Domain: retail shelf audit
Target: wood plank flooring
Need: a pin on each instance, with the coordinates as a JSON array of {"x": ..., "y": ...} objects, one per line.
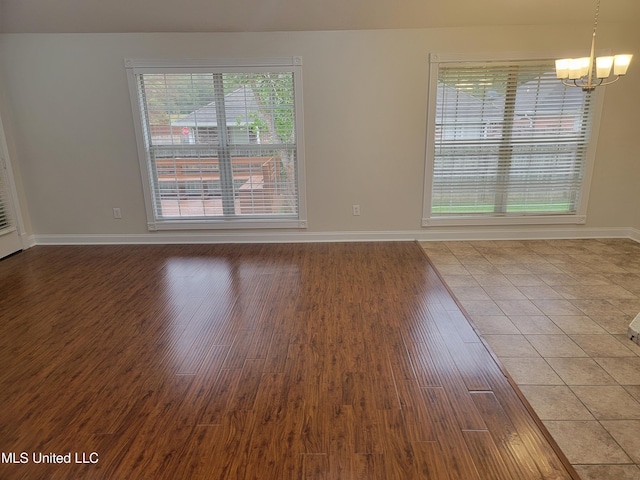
[{"x": 305, "y": 361}]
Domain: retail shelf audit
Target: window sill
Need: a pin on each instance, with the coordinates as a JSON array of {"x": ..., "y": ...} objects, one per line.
[
  {"x": 515, "y": 220},
  {"x": 226, "y": 224}
]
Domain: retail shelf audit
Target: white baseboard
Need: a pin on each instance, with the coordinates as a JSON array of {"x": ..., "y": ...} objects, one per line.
[{"x": 434, "y": 234}]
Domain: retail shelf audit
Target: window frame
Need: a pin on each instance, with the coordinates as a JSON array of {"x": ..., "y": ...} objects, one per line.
[
  {"x": 134, "y": 67},
  {"x": 429, "y": 220}
]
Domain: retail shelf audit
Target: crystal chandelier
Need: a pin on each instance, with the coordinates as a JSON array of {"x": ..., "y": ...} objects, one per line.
[{"x": 591, "y": 72}]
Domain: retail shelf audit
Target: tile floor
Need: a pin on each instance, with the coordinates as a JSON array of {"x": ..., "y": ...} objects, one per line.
[{"x": 556, "y": 314}]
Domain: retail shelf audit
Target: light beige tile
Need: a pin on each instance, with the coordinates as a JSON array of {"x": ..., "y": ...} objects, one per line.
[
  {"x": 624, "y": 339},
  {"x": 597, "y": 307},
  {"x": 544, "y": 269},
  {"x": 481, "y": 307},
  {"x": 607, "y": 267},
  {"x": 608, "y": 472},
  {"x": 602, "y": 346},
  {"x": 627, "y": 306},
  {"x": 597, "y": 246},
  {"x": 626, "y": 434},
  {"x": 469, "y": 293},
  {"x": 482, "y": 245},
  {"x": 483, "y": 270},
  {"x": 540, "y": 292},
  {"x": 558, "y": 259},
  {"x": 586, "y": 442},
  {"x": 555, "y": 402},
  {"x": 451, "y": 269},
  {"x": 576, "y": 324},
  {"x": 625, "y": 370},
  {"x": 608, "y": 402},
  {"x": 586, "y": 257},
  {"x": 459, "y": 280},
  {"x": 460, "y": 247},
  {"x": 531, "y": 371},
  {"x": 613, "y": 324},
  {"x": 514, "y": 246},
  {"x": 629, "y": 281},
  {"x": 542, "y": 247},
  {"x": 580, "y": 371},
  {"x": 503, "y": 292},
  {"x": 577, "y": 269},
  {"x": 572, "y": 246},
  {"x": 535, "y": 324},
  {"x": 494, "y": 324},
  {"x": 472, "y": 259},
  {"x": 514, "y": 269},
  {"x": 634, "y": 390},
  {"x": 557, "y": 279},
  {"x": 521, "y": 280},
  {"x": 510, "y": 346},
  {"x": 572, "y": 292},
  {"x": 608, "y": 292},
  {"x": 518, "y": 307},
  {"x": 435, "y": 247},
  {"x": 578, "y": 248},
  {"x": 441, "y": 258},
  {"x": 557, "y": 307},
  {"x": 555, "y": 346},
  {"x": 513, "y": 257},
  {"x": 632, "y": 267},
  {"x": 593, "y": 279},
  {"x": 488, "y": 280}
]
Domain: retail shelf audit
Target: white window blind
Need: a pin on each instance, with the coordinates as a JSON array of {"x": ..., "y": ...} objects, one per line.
[
  {"x": 5, "y": 220},
  {"x": 6, "y": 223},
  {"x": 220, "y": 143},
  {"x": 507, "y": 140}
]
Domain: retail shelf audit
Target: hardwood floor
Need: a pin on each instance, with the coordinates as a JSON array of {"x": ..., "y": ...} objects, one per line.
[{"x": 304, "y": 361}]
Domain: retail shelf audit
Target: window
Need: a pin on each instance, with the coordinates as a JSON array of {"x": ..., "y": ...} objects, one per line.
[
  {"x": 507, "y": 143},
  {"x": 220, "y": 142}
]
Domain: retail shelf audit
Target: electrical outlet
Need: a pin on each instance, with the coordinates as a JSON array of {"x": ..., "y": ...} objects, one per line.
[
  {"x": 117, "y": 213},
  {"x": 355, "y": 209}
]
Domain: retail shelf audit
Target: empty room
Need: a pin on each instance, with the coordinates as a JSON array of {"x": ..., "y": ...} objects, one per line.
[{"x": 331, "y": 240}]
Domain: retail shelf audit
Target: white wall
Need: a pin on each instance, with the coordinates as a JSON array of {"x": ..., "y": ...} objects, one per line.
[{"x": 67, "y": 100}]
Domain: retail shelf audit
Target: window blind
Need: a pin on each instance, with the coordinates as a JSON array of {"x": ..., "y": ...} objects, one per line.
[
  {"x": 6, "y": 223},
  {"x": 220, "y": 144},
  {"x": 509, "y": 140}
]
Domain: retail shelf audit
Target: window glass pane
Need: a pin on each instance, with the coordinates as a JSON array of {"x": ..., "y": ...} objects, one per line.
[
  {"x": 265, "y": 182},
  {"x": 220, "y": 144},
  {"x": 180, "y": 108},
  {"x": 260, "y": 108},
  {"x": 510, "y": 139}
]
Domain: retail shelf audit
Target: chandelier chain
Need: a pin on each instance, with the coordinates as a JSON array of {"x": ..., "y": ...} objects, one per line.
[{"x": 595, "y": 22}]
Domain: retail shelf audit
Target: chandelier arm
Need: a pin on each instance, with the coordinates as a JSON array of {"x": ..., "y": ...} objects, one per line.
[{"x": 603, "y": 83}]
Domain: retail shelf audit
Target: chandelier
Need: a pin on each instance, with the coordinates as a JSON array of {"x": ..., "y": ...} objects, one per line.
[{"x": 591, "y": 72}]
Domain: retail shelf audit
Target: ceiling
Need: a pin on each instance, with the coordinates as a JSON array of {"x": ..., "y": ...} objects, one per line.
[{"x": 106, "y": 16}]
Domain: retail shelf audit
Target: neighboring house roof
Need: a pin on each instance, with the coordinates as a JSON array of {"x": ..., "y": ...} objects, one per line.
[
  {"x": 547, "y": 97},
  {"x": 240, "y": 106}
]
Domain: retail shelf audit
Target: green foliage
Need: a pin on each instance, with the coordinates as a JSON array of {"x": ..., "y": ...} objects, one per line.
[{"x": 273, "y": 94}]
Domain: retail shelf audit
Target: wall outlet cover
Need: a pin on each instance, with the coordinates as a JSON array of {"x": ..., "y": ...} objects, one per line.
[{"x": 634, "y": 330}]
